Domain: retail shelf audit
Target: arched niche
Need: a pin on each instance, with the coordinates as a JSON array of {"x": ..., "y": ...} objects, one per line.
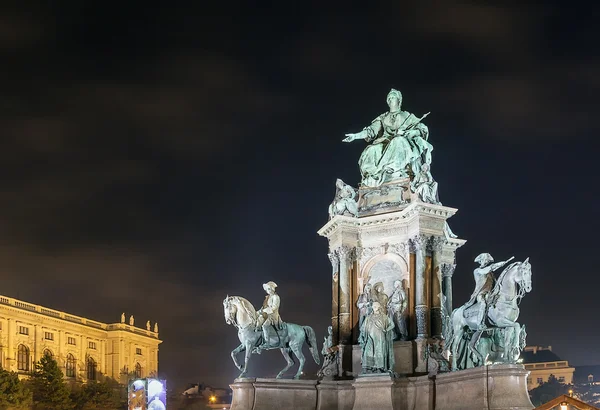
[{"x": 386, "y": 269}]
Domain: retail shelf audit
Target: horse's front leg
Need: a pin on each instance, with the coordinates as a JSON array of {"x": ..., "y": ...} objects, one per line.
[
  {"x": 248, "y": 348},
  {"x": 234, "y": 353}
]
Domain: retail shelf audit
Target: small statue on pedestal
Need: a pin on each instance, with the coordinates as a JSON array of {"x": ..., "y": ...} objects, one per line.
[
  {"x": 436, "y": 362},
  {"x": 344, "y": 202},
  {"x": 330, "y": 357},
  {"x": 397, "y": 311},
  {"x": 377, "y": 342},
  {"x": 131, "y": 320},
  {"x": 425, "y": 187}
]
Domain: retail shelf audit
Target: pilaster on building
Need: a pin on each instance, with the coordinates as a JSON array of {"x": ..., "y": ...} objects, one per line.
[
  {"x": 84, "y": 349},
  {"x": 411, "y": 243}
]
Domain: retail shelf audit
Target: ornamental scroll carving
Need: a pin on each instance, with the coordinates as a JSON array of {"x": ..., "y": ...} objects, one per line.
[{"x": 448, "y": 269}]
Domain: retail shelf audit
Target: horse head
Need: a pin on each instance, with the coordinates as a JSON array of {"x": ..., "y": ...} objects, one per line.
[
  {"x": 230, "y": 310},
  {"x": 524, "y": 276}
]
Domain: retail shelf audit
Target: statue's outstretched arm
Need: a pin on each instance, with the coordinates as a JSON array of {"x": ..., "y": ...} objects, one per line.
[{"x": 368, "y": 133}]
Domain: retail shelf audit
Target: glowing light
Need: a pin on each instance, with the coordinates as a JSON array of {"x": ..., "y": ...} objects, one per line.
[
  {"x": 564, "y": 406},
  {"x": 213, "y": 399}
]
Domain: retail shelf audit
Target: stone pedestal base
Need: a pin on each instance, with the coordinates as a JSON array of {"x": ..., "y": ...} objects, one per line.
[
  {"x": 243, "y": 394},
  {"x": 496, "y": 387},
  {"x": 373, "y": 392},
  {"x": 335, "y": 395},
  {"x": 403, "y": 356},
  {"x": 285, "y": 394}
]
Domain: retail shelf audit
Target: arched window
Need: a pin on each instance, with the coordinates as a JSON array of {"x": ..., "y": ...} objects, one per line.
[
  {"x": 91, "y": 369},
  {"x": 23, "y": 358},
  {"x": 590, "y": 378},
  {"x": 138, "y": 370},
  {"x": 48, "y": 352},
  {"x": 70, "y": 367}
]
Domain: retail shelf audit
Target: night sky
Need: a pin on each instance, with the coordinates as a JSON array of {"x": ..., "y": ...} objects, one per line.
[{"x": 156, "y": 159}]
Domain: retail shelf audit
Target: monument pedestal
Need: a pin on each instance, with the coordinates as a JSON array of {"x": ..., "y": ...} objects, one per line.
[
  {"x": 335, "y": 395},
  {"x": 243, "y": 394},
  {"x": 495, "y": 387},
  {"x": 373, "y": 392},
  {"x": 278, "y": 394},
  {"x": 498, "y": 387}
]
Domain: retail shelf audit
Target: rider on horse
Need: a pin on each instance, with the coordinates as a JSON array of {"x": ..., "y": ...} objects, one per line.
[
  {"x": 268, "y": 317},
  {"x": 484, "y": 283}
]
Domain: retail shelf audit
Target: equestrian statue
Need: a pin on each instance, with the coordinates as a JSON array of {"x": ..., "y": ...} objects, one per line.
[
  {"x": 264, "y": 330},
  {"x": 485, "y": 329}
]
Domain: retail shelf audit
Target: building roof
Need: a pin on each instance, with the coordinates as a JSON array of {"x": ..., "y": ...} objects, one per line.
[
  {"x": 582, "y": 372},
  {"x": 539, "y": 355},
  {"x": 571, "y": 402}
]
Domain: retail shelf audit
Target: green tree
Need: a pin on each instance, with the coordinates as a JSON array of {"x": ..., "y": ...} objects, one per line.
[
  {"x": 104, "y": 395},
  {"x": 13, "y": 393},
  {"x": 548, "y": 390},
  {"x": 48, "y": 386}
]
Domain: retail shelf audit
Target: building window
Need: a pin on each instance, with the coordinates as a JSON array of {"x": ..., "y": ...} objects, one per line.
[
  {"x": 71, "y": 341},
  {"x": 23, "y": 330},
  {"x": 91, "y": 369},
  {"x": 48, "y": 353},
  {"x": 92, "y": 345},
  {"x": 70, "y": 367},
  {"x": 540, "y": 380},
  {"x": 23, "y": 358},
  {"x": 138, "y": 350},
  {"x": 561, "y": 379},
  {"x": 138, "y": 370},
  {"x": 590, "y": 378},
  {"x": 48, "y": 335},
  {"x": 529, "y": 380}
]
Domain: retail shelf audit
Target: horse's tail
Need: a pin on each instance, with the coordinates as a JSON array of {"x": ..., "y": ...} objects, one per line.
[{"x": 311, "y": 341}]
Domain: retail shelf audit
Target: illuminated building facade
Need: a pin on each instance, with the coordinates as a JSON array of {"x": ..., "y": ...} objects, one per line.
[
  {"x": 84, "y": 349},
  {"x": 541, "y": 363}
]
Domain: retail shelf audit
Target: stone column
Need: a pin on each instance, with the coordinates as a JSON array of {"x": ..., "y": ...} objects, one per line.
[
  {"x": 345, "y": 294},
  {"x": 421, "y": 306},
  {"x": 447, "y": 272},
  {"x": 419, "y": 244},
  {"x": 335, "y": 266},
  {"x": 436, "y": 288}
]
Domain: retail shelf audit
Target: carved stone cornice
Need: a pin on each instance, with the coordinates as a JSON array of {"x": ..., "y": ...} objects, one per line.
[{"x": 403, "y": 216}]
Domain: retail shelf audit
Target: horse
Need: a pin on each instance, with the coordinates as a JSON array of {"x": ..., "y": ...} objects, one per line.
[
  {"x": 240, "y": 313},
  {"x": 512, "y": 284}
]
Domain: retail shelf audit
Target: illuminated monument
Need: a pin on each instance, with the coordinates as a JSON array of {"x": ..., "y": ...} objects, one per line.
[{"x": 392, "y": 322}]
